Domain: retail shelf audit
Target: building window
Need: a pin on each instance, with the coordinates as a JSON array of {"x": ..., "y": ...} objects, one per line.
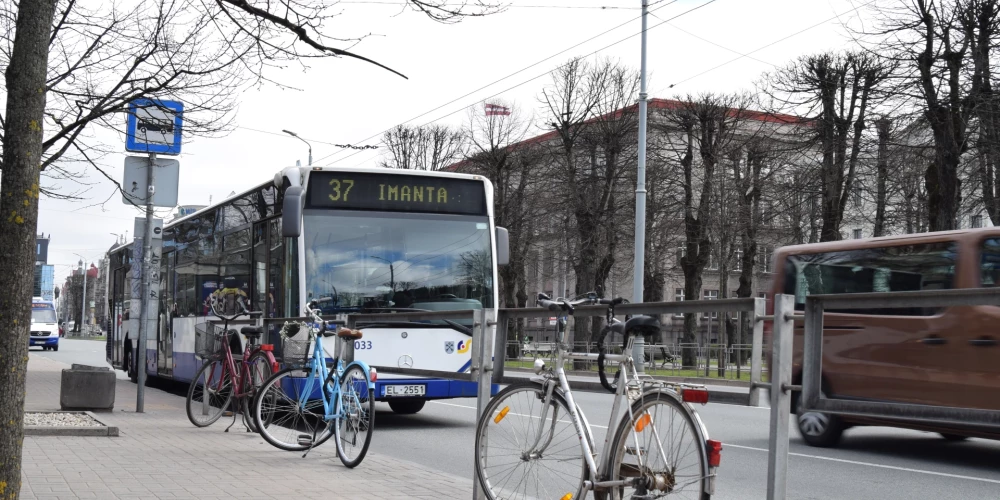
[
  {"x": 681, "y": 253},
  {"x": 713, "y": 263},
  {"x": 977, "y": 221},
  {"x": 710, "y": 295},
  {"x": 765, "y": 259},
  {"x": 679, "y": 297},
  {"x": 738, "y": 265},
  {"x": 857, "y": 234}
]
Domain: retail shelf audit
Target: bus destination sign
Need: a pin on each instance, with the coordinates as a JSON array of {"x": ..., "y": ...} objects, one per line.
[{"x": 396, "y": 193}]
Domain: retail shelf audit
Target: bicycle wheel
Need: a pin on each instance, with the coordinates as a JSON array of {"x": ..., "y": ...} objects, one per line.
[
  {"x": 356, "y": 407},
  {"x": 508, "y": 463},
  {"x": 258, "y": 371},
  {"x": 660, "y": 442},
  {"x": 210, "y": 393},
  {"x": 282, "y": 420}
]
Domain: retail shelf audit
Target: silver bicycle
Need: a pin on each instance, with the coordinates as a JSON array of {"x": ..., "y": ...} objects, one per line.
[{"x": 534, "y": 442}]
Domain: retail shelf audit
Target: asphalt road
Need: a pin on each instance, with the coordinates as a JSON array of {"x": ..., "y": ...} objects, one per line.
[{"x": 871, "y": 463}]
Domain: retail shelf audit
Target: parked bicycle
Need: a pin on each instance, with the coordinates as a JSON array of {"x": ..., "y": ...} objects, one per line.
[
  {"x": 303, "y": 405},
  {"x": 533, "y": 441},
  {"x": 224, "y": 378}
]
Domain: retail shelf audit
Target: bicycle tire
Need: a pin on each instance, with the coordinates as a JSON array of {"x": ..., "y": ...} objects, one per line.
[
  {"x": 282, "y": 424},
  {"x": 258, "y": 371},
  {"x": 696, "y": 485},
  {"x": 218, "y": 402},
  {"x": 357, "y": 401},
  {"x": 561, "y": 434}
]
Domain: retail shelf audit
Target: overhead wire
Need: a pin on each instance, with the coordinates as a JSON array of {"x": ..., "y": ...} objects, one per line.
[
  {"x": 506, "y": 77},
  {"x": 709, "y": 2}
]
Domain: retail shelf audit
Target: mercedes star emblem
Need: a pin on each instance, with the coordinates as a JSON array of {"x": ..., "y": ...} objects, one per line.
[{"x": 405, "y": 361}]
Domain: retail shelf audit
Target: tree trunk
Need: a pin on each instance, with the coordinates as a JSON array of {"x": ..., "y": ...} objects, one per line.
[
  {"x": 944, "y": 196},
  {"x": 22, "y": 152},
  {"x": 882, "y": 175}
]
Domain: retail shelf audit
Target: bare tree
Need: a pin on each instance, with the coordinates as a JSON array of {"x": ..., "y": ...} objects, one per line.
[
  {"x": 838, "y": 89},
  {"x": 708, "y": 124},
  {"x": 422, "y": 148},
  {"x": 946, "y": 46},
  {"x": 70, "y": 68}
]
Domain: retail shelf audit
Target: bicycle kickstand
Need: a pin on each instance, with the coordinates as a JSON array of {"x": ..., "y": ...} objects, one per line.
[{"x": 234, "y": 419}]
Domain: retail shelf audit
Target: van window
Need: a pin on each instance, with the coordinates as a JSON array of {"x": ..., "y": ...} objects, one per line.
[
  {"x": 990, "y": 276},
  {"x": 929, "y": 266}
]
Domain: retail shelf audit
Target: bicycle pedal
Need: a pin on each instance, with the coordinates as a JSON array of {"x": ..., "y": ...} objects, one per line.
[{"x": 305, "y": 440}]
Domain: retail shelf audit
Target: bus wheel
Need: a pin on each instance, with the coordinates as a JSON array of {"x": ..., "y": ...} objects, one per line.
[
  {"x": 406, "y": 406},
  {"x": 133, "y": 374}
]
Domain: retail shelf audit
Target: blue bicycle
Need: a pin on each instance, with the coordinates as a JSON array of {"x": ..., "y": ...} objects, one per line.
[{"x": 307, "y": 402}]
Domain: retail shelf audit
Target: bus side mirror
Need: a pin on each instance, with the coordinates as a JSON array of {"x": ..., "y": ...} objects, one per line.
[
  {"x": 503, "y": 246},
  {"x": 291, "y": 212}
]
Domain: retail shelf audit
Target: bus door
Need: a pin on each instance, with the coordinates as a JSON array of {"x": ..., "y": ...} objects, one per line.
[
  {"x": 119, "y": 318},
  {"x": 165, "y": 326},
  {"x": 268, "y": 258}
]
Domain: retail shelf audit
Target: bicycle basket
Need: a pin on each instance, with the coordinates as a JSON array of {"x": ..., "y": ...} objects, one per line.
[
  {"x": 295, "y": 352},
  {"x": 209, "y": 341}
]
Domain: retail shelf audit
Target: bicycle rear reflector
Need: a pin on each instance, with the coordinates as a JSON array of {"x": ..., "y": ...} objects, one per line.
[
  {"x": 642, "y": 422},
  {"x": 501, "y": 415},
  {"x": 714, "y": 452},
  {"x": 374, "y": 375},
  {"x": 695, "y": 395},
  {"x": 568, "y": 496},
  {"x": 267, "y": 347}
]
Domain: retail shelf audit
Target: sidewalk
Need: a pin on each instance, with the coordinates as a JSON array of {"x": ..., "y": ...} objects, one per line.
[{"x": 160, "y": 455}]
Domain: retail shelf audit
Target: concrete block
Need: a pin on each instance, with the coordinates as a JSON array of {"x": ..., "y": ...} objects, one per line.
[{"x": 88, "y": 388}]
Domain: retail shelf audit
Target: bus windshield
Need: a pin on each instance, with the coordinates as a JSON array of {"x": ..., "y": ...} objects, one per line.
[
  {"x": 43, "y": 316},
  {"x": 370, "y": 260}
]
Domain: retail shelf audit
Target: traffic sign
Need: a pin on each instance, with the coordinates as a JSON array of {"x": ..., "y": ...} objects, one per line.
[
  {"x": 166, "y": 175},
  {"x": 154, "y": 126}
]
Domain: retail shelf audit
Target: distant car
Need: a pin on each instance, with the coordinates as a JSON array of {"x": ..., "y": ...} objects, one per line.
[{"x": 44, "y": 326}]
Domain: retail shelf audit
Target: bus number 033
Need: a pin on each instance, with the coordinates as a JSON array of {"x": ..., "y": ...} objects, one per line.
[
  {"x": 362, "y": 344},
  {"x": 336, "y": 185}
]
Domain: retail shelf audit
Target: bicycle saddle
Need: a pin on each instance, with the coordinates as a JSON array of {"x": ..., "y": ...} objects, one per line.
[
  {"x": 618, "y": 327},
  {"x": 646, "y": 325},
  {"x": 252, "y": 331},
  {"x": 347, "y": 333}
]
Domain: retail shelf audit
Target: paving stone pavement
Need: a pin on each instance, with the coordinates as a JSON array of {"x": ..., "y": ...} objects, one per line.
[{"x": 160, "y": 455}]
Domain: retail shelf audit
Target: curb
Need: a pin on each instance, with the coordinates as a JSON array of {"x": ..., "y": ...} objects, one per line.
[
  {"x": 103, "y": 430},
  {"x": 724, "y": 397}
]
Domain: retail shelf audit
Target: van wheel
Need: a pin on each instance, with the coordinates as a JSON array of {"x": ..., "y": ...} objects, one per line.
[
  {"x": 817, "y": 429},
  {"x": 954, "y": 437},
  {"x": 407, "y": 407},
  {"x": 55, "y": 348}
]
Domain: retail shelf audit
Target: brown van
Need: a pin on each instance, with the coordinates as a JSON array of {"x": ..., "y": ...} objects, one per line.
[{"x": 935, "y": 356}]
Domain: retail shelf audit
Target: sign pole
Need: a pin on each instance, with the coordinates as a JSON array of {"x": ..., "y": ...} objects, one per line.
[
  {"x": 147, "y": 246},
  {"x": 638, "y": 350}
]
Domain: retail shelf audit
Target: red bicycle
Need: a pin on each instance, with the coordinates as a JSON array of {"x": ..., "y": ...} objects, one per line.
[{"x": 223, "y": 378}]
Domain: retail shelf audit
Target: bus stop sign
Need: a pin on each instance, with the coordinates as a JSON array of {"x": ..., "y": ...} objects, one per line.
[{"x": 154, "y": 126}]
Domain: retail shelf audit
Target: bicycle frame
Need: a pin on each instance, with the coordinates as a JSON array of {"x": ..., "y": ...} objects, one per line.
[
  {"x": 628, "y": 379},
  {"x": 319, "y": 371}
]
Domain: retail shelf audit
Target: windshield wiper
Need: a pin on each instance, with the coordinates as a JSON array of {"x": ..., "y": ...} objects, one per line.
[{"x": 460, "y": 328}]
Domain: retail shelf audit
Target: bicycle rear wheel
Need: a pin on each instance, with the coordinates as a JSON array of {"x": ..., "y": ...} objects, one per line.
[
  {"x": 356, "y": 407},
  {"x": 509, "y": 465},
  {"x": 285, "y": 422},
  {"x": 210, "y": 393},
  {"x": 258, "y": 371},
  {"x": 661, "y": 441}
]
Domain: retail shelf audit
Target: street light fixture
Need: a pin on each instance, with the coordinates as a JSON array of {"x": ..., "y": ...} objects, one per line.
[{"x": 293, "y": 134}]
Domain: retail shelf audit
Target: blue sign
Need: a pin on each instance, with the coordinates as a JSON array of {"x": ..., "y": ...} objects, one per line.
[{"x": 154, "y": 126}]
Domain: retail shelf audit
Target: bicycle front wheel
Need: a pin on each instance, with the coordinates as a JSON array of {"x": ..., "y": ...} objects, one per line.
[
  {"x": 286, "y": 416},
  {"x": 210, "y": 393},
  {"x": 663, "y": 444},
  {"x": 258, "y": 371},
  {"x": 520, "y": 454},
  {"x": 356, "y": 421}
]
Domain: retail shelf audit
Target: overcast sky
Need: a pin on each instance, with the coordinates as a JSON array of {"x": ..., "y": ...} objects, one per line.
[{"x": 348, "y": 101}]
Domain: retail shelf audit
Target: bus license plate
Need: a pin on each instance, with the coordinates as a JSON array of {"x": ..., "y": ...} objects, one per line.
[{"x": 404, "y": 390}]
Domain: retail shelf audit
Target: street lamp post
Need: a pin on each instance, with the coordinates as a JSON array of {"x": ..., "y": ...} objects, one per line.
[
  {"x": 640, "y": 197},
  {"x": 293, "y": 134},
  {"x": 83, "y": 302},
  {"x": 392, "y": 272}
]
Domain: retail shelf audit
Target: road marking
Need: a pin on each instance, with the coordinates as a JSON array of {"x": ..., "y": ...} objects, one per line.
[
  {"x": 881, "y": 466},
  {"x": 518, "y": 414}
]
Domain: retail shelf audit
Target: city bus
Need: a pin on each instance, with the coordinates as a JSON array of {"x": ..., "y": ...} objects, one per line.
[{"x": 351, "y": 240}]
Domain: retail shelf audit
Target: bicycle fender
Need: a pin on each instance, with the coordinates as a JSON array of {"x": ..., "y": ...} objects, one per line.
[{"x": 364, "y": 368}]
